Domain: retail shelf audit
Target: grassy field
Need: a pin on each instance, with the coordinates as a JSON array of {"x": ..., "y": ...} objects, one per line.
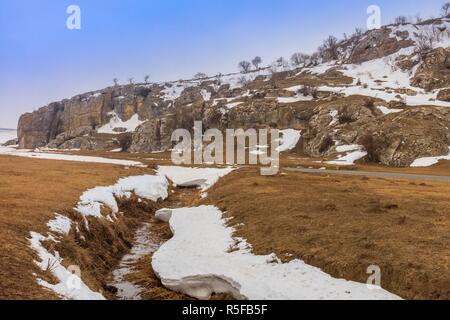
[{"x": 345, "y": 224}]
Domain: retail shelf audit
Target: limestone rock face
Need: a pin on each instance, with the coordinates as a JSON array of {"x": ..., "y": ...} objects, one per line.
[
  {"x": 434, "y": 71},
  {"x": 70, "y": 118},
  {"x": 378, "y": 44},
  {"x": 38, "y": 128},
  {"x": 147, "y": 137},
  {"x": 338, "y": 122},
  {"x": 412, "y": 134}
]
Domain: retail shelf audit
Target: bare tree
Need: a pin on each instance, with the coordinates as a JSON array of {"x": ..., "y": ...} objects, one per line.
[
  {"x": 131, "y": 80},
  {"x": 445, "y": 9},
  {"x": 315, "y": 59},
  {"x": 401, "y": 20},
  {"x": 329, "y": 49},
  {"x": 257, "y": 62},
  {"x": 245, "y": 66},
  {"x": 146, "y": 79},
  {"x": 281, "y": 62},
  {"x": 418, "y": 18},
  {"x": 116, "y": 82},
  {"x": 300, "y": 58},
  {"x": 200, "y": 75}
]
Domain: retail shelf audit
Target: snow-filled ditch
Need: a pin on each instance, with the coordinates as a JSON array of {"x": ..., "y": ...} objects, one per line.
[
  {"x": 203, "y": 258},
  {"x": 70, "y": 286}
]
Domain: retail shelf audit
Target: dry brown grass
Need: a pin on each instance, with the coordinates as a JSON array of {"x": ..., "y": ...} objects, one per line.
[
  {"x": 344, "y": 224},
  {"x": 30, "y": 192}
]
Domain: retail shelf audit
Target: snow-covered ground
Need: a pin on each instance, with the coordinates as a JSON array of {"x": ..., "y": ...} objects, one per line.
[
  {"x": 352, "y": 152},
  {"x": 429, "y": 161},
  {"x": 115, "y": 123},
  {"x": 203, "y": 258},
  {"x": 37, "y": 154},
  {"x": 147, "y": 187},
  {"x": 70, "y": 286},
  {"x": 6, "y": 135},
  {"x": 204, "y": 178},
  {"x": 289, "y": 139}
]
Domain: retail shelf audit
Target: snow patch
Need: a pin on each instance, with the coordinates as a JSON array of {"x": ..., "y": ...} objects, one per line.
[
  {"x": 116, "y": 123},
  {"x": 61, "y": 224},
  {"x": 429, "y": 161},
  {"x": 204, "y": 178},
  {"x": 203, "y": 258},
  {"x": 36, "y": 154},
  {"x": 350, "y": 158},
  {"x": 385, "y": 110},
  {"x": 69, "y": 285},
  {"x": 147, "y": 187},
  {"x": 289, "y": 139}
]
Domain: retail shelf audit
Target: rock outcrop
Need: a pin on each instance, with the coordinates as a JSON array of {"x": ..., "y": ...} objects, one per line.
[
  {"x": 434, "y": 71},
  {"x": 412, "y": 134}
]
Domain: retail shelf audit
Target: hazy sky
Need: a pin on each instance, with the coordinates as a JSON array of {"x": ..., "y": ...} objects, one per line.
[{"x": 42, "y": 61}]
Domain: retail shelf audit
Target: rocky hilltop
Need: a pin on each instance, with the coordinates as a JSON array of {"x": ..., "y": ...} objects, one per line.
[{"x": 387, "y": 90}]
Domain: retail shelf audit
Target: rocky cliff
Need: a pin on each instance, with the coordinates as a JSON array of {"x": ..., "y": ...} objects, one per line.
[{"x": 382, "y": 84}]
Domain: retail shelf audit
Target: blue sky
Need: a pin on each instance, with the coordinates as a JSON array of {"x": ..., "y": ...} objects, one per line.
[{"x": 42, "y": 61}]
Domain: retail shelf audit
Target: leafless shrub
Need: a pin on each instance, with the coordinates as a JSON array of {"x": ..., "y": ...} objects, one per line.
[
  {"x": 326, "y": 144},
  {"x": 370, "y": 146},
  {"x": 445, "y": 9},
  {"x": 308, "y": 90},
  {"x": 402, "y": 20},
  {"x": 125, "y": 140},
  {"x": 200, "y": 75},
  {"x": 281, "y": 62},
  {"x": 345, "y": 116},
  {"x": 242, "y": 81}
]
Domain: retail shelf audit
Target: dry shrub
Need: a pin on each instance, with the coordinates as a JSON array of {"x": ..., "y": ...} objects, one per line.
[
  {"x": 125, "y": 141},
  {"x": 326, "y": 144},
  {"x": 369, "y": 143}
]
